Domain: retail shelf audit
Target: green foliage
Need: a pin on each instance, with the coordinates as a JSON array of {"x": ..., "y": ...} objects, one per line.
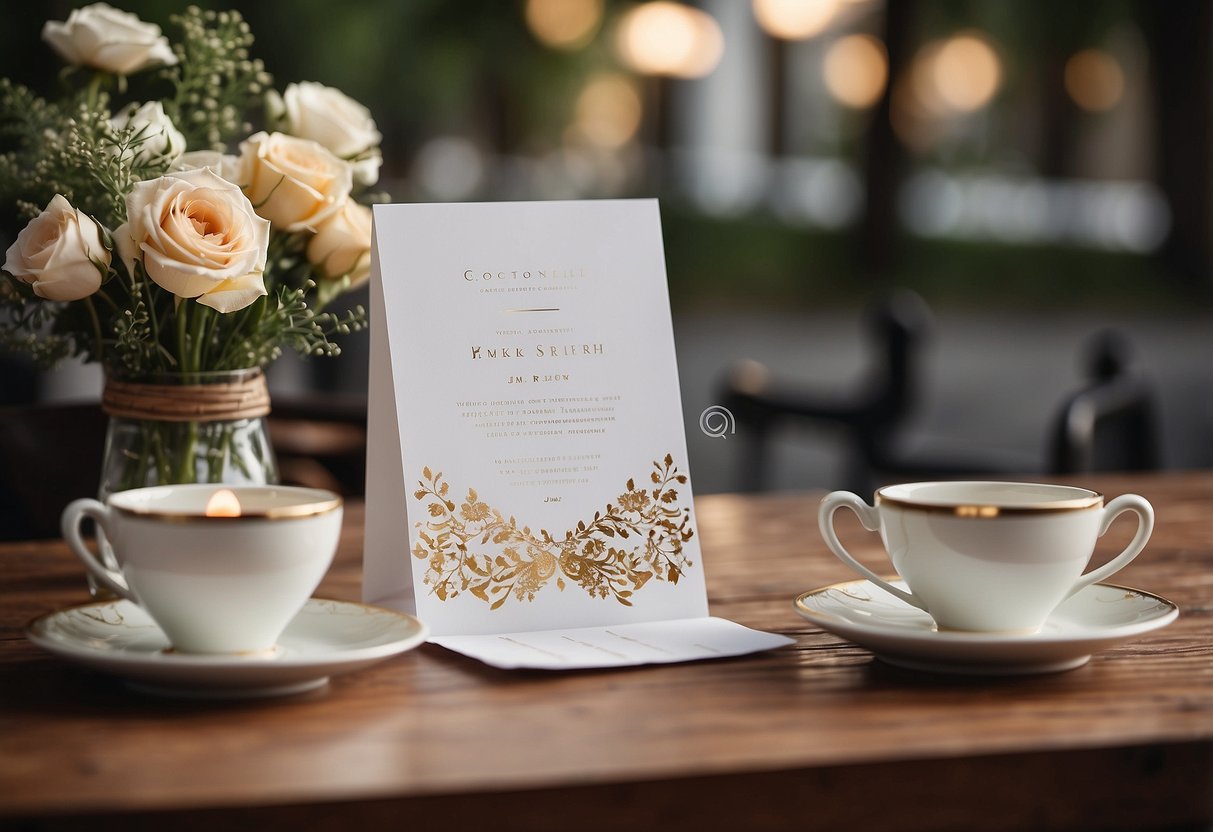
[
  {"x": 216, "y": 81},
  {"x": 68, "y": 148}
]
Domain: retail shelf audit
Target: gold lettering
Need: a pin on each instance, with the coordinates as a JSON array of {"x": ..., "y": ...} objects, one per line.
[{"x": 471, "y": 275}]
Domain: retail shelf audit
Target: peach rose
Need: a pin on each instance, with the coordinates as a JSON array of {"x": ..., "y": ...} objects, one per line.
[
  {"x": 198, "y": 237},
  {"x": 60, "y": 253},
  {"x": 342, "y": 245},
  {"x": 294, "y": 183}
]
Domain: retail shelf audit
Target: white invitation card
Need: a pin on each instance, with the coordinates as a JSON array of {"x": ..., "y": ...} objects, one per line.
[{"x": 528, "y": 494}]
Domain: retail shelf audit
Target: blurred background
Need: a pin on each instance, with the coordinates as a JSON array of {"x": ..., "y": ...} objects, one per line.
[{"x": 902, "y": 235}]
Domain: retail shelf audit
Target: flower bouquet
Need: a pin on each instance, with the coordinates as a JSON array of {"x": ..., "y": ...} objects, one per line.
[{"x": 163, "y": 237}]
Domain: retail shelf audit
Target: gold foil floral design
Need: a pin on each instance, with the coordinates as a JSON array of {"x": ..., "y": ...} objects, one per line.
[{"x": 472, "y": 547}]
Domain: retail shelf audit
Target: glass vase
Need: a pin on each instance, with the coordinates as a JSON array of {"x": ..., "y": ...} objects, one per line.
[{"x": 185, "y": 428}]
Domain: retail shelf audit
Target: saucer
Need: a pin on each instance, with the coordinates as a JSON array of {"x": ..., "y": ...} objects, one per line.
[
  {"x": 1095, "y": 618},
  {"x": 324, "y": 639}
]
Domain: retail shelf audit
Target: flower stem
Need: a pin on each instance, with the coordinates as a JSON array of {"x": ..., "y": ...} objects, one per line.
[
  {"x": 142, "y": 287},
  {"x": 186, "y": 471},
  {"x": 92, "y": 92},
  {"x": 198, "y": 332},
  {"x": 182, "y": 339},
  {"x": 92, "y": 314},
  {"x": 100, "y": 293}
]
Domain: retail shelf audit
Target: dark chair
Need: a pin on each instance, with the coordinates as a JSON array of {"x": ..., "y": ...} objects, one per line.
[
  {"x": 871, "y": 421},
  {"x": 1111, "y": 424},
  {"x": 897, "y": 325}
]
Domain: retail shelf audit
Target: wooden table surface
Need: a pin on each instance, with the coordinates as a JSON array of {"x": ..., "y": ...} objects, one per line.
[{"x": 814, "y": 735}]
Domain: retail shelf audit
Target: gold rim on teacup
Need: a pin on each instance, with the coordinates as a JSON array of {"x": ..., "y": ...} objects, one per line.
[
  {"x": 294, "y": 511},
  {"x": 985, "y": 511}
]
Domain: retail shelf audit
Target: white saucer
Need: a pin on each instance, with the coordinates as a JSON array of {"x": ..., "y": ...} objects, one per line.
[
  {"x": 325, "y": 638},
  {"x": 1094, "y": 619}
]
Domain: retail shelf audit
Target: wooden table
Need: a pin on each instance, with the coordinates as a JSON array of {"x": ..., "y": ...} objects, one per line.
[{"x": 815, "y": 735}]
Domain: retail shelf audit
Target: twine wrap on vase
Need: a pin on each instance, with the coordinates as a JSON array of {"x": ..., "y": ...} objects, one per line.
[{"x": 228, "y": 400}]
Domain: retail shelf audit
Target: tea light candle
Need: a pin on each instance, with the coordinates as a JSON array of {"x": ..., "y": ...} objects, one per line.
[{"x": 223, "y": 503}]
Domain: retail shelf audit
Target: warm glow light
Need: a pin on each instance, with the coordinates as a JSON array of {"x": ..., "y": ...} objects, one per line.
[
  {"x": 966, "y": 73},
  {"x": 564, "y": 24},
  {"x": 856, "y": 69},
  {"x": 609, "y": 111},
  {"x": 665, "y": 38},
  {"x": 946, "y": 79},
  {"x": 795, "y": 19},
  {"x": 1094, "y": 80},
  {"x": 223, "y": 503}
]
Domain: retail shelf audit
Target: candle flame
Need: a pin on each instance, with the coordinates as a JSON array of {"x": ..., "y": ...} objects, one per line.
[{"x": 223, "y": 503}]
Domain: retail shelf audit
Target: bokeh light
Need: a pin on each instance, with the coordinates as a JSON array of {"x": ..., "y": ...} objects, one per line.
[
  {"x": 609, "y": 112},
  {"x": 1094, "y": 80},
  {"x": 564, "y": 24},
  {"x": 795, "y": 19},
  {"x": 856, "y": 69},
  {"x": 666, "y": 38},
  {"x": 966, "y": 72}
]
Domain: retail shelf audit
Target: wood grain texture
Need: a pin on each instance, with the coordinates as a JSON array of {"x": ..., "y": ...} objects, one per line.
[{"x": 816, "y": 734}]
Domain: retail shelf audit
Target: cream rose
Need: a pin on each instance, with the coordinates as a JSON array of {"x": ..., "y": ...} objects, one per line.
[
  {"x": 155, "y": 136},
  {"x": 198, "y": 237},
  {"x": 60, "y": 252},
  {"x": 108, "y": 39},
  {"x": 224, "y": 164},
  {"x": 329, "y": 117},
  {"x": 294, "y": 183},
  {"x": 366, "y": 167},
  {"x": 342, "y": 244}
]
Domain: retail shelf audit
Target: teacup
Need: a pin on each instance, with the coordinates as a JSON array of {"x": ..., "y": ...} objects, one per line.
[
  {"x": 988, "y": 556},
  {"x": 218, "y": 576}
]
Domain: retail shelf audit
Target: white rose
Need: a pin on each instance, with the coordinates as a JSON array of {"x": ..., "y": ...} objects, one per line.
[
  {"x": 105, "y": 38},
  {"x": 60, "y": 252},
  {"x": 198, "y": 237},
  {"x": 342, "y": 244},
  {"x": 295, "y": 183},
  {"x": 224, "y": 164},
  {"x": 329, "y": 117},
  {"x": 366, "y": 167},
  {"x": 155, "y": 137}
]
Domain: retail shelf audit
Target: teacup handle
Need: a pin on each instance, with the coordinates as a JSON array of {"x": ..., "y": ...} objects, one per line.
[
  {"x": 69, "y": 524},
  {"x": 1145, "y": 526},
  {"x": 869, "y": 517}
]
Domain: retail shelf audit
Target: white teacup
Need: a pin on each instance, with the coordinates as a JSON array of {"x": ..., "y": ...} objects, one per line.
[
  {"x": 988, "y": 556},
  {"x": 227, "y": 580}
]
